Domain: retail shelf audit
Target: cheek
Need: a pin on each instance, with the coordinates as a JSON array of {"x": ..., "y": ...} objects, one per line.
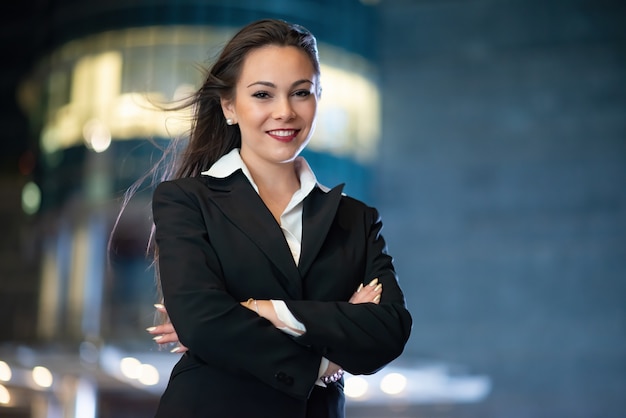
[
  {"x": 309, "y": 112},
  {"x": 251, "y": 114}
]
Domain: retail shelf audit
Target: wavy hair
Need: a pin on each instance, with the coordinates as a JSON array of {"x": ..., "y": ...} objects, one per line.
[{"x": 209, "y": 137}]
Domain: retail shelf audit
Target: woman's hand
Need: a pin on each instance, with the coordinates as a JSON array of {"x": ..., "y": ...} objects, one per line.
[
  {"x": 265, "y": 309},
  {"x": 165, "y": 333},
  {"x": 370, "y": 293}
]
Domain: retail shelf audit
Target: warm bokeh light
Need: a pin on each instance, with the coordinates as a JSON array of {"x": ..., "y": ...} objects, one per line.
[
  {"x": 5, "y": 396},
  {"x": 148, "y": 375},
  {"x": 5, "y": 371},
  {"x": 355, "y": 387},
  {"x": 97, "y": 135},
  {"x": 130, "y": 367},
  {"x": 393, "y": 383},
  {"x": 42, "y": 376}
]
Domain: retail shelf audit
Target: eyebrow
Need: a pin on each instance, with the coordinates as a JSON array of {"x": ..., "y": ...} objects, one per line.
[{"x": 270, "y": 84}]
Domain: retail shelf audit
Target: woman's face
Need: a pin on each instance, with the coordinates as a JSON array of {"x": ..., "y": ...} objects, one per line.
[{"x": 275, "y": 104}]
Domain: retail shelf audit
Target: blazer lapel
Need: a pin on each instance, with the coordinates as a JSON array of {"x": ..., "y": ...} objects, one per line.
[
  {"x": 317, "y": 217},
  {"x": 241, "y": 204}
]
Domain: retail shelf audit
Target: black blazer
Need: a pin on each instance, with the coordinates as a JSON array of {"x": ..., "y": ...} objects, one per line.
[{"x": 219, "y": 245}]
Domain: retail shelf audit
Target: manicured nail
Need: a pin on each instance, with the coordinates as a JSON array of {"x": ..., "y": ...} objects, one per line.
[
  {"x": 360, "y": 287},
  {"x": 157, "y": 338},
  {"x": 373, "y": 282},
  {"x": 150, "y": 329},
  {"x": 175, "y": 350},
  {"x": 377, "y": 299},
  {"x": 159, "y": 306},
  {"x": 378, "y": 287}
]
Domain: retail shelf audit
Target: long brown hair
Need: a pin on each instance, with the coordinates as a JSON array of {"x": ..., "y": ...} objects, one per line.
[{"x": 210, "y": 137}]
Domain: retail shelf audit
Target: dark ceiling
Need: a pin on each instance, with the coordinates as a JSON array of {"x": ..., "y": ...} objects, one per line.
[{"x": 22, "y": 35}]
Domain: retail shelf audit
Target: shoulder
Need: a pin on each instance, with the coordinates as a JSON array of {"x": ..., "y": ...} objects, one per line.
[
  {"x": 187, "y": 186},
  {"x": 203, "y": 188},
  {"x": 352, "y": 203},
  {"x": 350, "y": 206},
  {"x": 185, "y": 183}
]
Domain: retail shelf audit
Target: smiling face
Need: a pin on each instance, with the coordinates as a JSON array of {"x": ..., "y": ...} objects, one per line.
[{"x": 274, "y": 104}]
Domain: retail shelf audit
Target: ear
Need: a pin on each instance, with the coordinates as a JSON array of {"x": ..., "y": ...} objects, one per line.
[{"x": 228, "y": 108}]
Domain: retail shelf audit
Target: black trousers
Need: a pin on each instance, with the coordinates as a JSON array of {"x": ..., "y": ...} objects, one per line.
[
  {"x": 328, "y": 402},
  {"x": 198, "y": 391}
]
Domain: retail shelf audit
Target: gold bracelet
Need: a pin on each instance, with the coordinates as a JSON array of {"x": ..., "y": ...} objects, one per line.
[{"x": 256, "y": 306}]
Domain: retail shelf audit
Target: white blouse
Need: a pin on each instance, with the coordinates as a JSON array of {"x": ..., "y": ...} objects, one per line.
[{"x": 290, "y": 224}]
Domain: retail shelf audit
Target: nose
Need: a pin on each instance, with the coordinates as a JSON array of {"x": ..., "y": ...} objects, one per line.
[{"x": 283, "y": 109}]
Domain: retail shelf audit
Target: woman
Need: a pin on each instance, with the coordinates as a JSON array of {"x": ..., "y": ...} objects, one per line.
[{"x": 273, "y": 283}]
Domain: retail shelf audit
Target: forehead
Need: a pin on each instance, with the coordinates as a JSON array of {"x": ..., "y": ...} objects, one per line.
[{"x": 276, "y": 63}]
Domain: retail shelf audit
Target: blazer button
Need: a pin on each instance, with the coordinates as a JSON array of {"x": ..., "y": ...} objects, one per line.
[{"x": 284, "y": 378}]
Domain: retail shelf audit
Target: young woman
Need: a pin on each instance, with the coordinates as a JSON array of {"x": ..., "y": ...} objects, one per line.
[{"x": 273, "y": 283}]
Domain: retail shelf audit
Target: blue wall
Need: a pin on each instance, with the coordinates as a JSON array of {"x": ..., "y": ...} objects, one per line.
[{"x": 502, "y": 183}]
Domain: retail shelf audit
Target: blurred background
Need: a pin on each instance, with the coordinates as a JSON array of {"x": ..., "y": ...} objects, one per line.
[{"x": 490, "y": 134}]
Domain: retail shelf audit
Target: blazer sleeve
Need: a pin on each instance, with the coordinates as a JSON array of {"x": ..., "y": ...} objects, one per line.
[
  {"x": 207, "y": 319},
  {"x": 362, "y": 338}
]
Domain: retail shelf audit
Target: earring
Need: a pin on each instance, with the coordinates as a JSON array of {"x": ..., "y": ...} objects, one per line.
[{"x": 229, "y": 122}]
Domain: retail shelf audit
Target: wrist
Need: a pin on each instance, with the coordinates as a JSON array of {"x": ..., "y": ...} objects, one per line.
[
  {"x": 332, "y": 378},
  {"x": 253, "y": 305}
]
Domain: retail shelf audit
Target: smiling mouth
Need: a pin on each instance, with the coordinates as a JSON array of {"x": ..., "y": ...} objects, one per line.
[{"x": 284, "y": 135}]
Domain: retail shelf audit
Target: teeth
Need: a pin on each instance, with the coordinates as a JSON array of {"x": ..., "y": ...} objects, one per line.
[{"x": 283, "y": 132}]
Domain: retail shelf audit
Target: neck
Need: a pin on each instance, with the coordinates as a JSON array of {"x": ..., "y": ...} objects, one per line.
[
  {"x": 276, "y": 179},
  {"x": 273, "y": 176},
  {"x": 276, "y": 182}
]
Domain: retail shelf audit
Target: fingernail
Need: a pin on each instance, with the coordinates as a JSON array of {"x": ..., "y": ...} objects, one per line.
[
  {"x": 150, "y": 329},
  {"x": 378, "y": 287},
  {"x": 373, "y": 282},
  {"x": 157, "y": 338},
  {"x": 377, "y": 299},
  {"x": 175, "y": 350},
  {"x": 159, "y": 305},
  {"x": 360, "y": 287}
]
